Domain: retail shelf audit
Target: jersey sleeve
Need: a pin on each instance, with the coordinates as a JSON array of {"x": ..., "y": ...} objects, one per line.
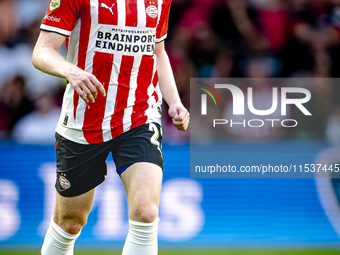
[
  {"x": 61, "y": 16},
  {"x": 162, "y": 28}
]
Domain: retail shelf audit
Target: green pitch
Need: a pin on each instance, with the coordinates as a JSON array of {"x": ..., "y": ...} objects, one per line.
[{"x": 192, "y": 252}]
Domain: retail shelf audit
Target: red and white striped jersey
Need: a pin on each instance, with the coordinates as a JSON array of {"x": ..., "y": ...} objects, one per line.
[{"x": 115, "y": 41}]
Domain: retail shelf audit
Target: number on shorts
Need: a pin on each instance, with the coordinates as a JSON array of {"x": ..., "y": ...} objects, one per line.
[{"x": 155, "y": 136}]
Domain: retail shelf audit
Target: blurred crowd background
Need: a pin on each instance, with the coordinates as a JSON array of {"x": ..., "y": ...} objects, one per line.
[{"x": 207, "y": 39}]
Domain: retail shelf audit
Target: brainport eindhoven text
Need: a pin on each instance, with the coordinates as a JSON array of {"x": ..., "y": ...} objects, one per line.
[{"x": 125, "y": 42}]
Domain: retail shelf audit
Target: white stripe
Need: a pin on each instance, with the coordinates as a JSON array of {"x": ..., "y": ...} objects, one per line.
[
  {"x": 93, "y": 34},
  {"x": 132, "y": 94},
  {"x": 111, "y": 98},
  {"x": 141, "y": 14},
  {"x": 117, "y": 61},
  {"x": 55, "y": 29},
  {"x": 159, "y": 93},
  {"x": 72, "y": 54},
  {"x": 159, "y": 2},
  {"x": 152, "y": 111},
  {"x": 109, "y": 109},
  {"x": 80, "y": 112},
  {"x": 160, "y": 9},
  {"x": 158, "y": 40},
  {"x": 151, "y": 88},
  {"x": 121, "y": 9},
  {"x": 81, "y": 108},
  {"x": 72, "y": 57}
]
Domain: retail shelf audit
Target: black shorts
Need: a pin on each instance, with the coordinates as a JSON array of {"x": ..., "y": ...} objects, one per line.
[{"x": 81, "y": 167}]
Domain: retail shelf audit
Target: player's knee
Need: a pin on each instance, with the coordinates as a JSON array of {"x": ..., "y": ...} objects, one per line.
[
  {"x": 146, "y": 214},
  {"x": 72, "y": 224}
]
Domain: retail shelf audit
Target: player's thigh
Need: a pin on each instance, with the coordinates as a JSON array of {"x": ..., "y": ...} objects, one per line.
[
  {"x": 80, "y": 168},
  {"x": 142, "y": 182},
  {"x": 73, "y": 208}
]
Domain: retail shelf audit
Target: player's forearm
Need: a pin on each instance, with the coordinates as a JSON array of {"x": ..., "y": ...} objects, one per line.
[
  {"x": 48, "y": 60},
  {"x": 166, "y": 79}
]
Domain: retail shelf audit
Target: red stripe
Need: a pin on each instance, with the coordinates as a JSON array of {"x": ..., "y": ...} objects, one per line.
[
  {"x": 155, "y": 95},
  {"x": 155, "y": 82},
  {"x": 122, "y": 95},
  {"x": 151, "y": 9},
  {"x": 67, "y": 41},
  {"x": 94, "y": 113},
  {"x": 131, "y": 13},
  {"x": 162, "y": 26},
  {"x": 107, "y": 12},
  {"x": 144, "y": 80},
  {"x": 83, "y": 44}
]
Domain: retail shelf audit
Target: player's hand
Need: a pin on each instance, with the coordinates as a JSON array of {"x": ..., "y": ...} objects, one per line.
[
  {"x": 180, "y": 116},
  {"x": 85, "y": 84}
]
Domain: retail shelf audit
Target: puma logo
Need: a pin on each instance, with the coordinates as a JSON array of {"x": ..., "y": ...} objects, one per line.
[{"x": 107, "y": 7}]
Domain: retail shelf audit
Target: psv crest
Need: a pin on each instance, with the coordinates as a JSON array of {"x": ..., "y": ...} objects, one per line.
[
  {"x": 55, "y": 4},
  {"x": 152, "y": 11},
  {"x": 64, "y": 183}
]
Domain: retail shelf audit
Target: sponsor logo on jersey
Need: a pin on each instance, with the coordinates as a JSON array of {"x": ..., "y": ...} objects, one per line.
[
  {"x": 159, "y": 109},
  {"x": 65, "y": 120},
  {"x": 64, "y": 183},
  {"x": 52, "y": 18},
  {"x": 107, "y": 7},
  {"x": 128, "y": 41},
  {"x": 55, "y": 4},
  {"x": 152, "y": 11}
]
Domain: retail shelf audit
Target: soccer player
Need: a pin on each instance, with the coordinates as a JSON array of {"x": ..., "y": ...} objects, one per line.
[{"x": 117, "y": 71}]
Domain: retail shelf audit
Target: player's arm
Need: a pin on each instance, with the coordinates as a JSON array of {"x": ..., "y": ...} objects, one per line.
[
  {"x": 46, "y": 58},
  {"x": 180, "y": 116}
]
